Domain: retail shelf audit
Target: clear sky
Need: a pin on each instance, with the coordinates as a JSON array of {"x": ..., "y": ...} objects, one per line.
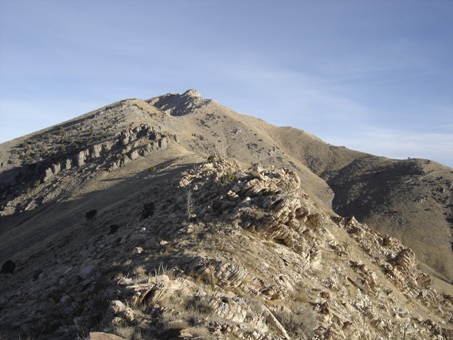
[{"x": 375, "y": 76}]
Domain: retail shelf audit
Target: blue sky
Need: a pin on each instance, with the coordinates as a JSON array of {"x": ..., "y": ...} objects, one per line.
[{"x": 375, "y": 76}]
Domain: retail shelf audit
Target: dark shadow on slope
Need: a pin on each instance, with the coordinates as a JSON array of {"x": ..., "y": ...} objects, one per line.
[
  {"x": 364, "y": 185},
  {"x": 20, "y": 233}
]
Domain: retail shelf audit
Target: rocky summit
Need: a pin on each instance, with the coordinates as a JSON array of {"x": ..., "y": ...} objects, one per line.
[{"x": 178, "y": 218}]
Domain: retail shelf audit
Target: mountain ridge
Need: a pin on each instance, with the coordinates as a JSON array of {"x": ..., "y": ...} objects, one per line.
[{"x": 114, "y": 160}]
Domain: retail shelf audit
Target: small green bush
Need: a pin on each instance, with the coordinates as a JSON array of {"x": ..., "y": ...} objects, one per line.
[
  {"x": 227, "y": 178},
  {"x": 211, "y": 159}
]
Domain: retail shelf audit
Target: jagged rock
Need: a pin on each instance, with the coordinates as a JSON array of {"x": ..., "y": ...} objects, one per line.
[
  {"x": 95, "y": 150},
  {"x": 163, "y": 143},
  {"x": 137, "y": 250},
  {"x": 214, "y": 271},
  {"x": 124, "y": 138},
  {"x": 177, "y": 104},
  {"x": 67, "y": 164},
  {"x": 56, "y": 168},
  {"x": 317, "y": 220},
  {"x": 81, "y": 157},
  {"x": 424, "y": 280},
  {"x": 134, "y": 155},
  {"x": 406, "y": 260},
  {"x": 48, "y": 174},
  {"x": 192, "y": 93}
]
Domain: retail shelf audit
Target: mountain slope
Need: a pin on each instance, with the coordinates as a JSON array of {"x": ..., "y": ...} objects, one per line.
[
  {"x": 408, "y": 199},
  {"x": 221, "y": 251},
  {"x": 96, "y": 210}
]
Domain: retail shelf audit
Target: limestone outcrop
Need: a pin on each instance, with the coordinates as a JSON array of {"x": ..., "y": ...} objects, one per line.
[
  {"x": 108, "y": 155},
  {"x": 179, "y": 104}
]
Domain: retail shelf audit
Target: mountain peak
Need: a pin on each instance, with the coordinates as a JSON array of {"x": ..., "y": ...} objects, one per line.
[
  {"x": 192, "y": 93},
  {"x": 179, "y": 104}
]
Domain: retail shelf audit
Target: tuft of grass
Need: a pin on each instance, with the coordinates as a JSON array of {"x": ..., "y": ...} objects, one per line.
[
  {"x": 139, "y": 272},
  {"x": 126, "y": 332},
  {"x": 200, "y": 306},
  {"x": 258, "y": 214},
  {"x": 298, "y": 324}
]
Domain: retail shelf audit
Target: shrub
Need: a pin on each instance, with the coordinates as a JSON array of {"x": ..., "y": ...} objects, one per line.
[
  {"x": 148, "y": 210},
  {"x": 114, "y": 228},
  {"x": 211, "y": 159},
  {"x": 91, "y": 214},
  {"x": 227, "y": 178},
  {"x": 8, "y": 267},
  {"x": 152, "y": 169},
  {"x": 386, "y": 242}
]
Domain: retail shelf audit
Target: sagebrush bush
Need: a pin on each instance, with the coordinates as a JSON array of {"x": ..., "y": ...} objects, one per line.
[
  {"x": 148, "y": 210},
  {"x": 91, "y": 214}
]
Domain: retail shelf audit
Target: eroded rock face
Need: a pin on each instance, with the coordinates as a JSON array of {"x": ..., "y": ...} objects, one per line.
[
  {"x": 268, "y": 202},
  {"x": 179, "y": 104},
  {"x": 125, "y": 147}
]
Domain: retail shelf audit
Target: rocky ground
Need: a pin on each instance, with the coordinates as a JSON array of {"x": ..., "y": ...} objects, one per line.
[
  {"x": 224, "y": 252},
  {"x": 135, "y": 221}
]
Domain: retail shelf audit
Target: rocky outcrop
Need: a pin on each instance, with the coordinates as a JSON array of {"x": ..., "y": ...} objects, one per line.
[
  {"x": 126, "y": 146},
  {"x": 231, "y": 253},
  {"x": 109, "y": 154},
  {"x": 179, "y": 104},
  {"x": 267, "y": 202}
]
